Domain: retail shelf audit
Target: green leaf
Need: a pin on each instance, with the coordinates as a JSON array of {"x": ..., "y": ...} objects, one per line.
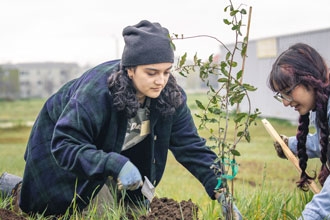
[
  {"x": 212, "y": 89},
  {"x": 200, "y": 105},
  {"x": 172, "y": 45},
  {"x": 228, "y": 55},
  {"x": 182, "y": 74},
  {"x": 223, "y": 80},
  {"x": 214, "y": 110},
  {"x": 236, "y": 99},
  {"x": 197, "y": 115},
  {"x": 234, "y": 12},
  {"x": 196, "y": 60},
  {"x": 183, "y": 60},
  {"x": 239, "y": 74},
  {"x": 226, "y": 8},
  {"x": 249, "y": 87},
  {"x": 214, "y": 100},
  {"x": 213, "y": 120},
  {"x": 226, "y": 21},
  {"x": 247, "y": 136},
  {"x": 235, "y": 27},
  {"x": 240, "y": 133},
  {"x": 239, "y": 117},
  {"x": 233, "y": 64},
  {"x": 244, "y": 48},
  {"x": 211, "y": 58},
  {"x": 235, "y": 152}
]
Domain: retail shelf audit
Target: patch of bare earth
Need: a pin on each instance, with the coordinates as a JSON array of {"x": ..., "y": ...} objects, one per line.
[
  {"x": 160, "y": 209},
  {"x": 6, "y": 214},
  {"x": 169, "y": 209}
]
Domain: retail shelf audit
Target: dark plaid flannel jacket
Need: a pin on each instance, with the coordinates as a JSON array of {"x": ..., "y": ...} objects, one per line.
[{"x": 75, "y": 145}]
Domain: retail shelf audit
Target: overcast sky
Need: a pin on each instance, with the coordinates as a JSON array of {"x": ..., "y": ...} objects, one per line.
[{"x": 89, "y": 32}]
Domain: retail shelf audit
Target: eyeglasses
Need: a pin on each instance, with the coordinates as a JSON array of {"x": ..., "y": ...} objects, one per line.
[{"x": 286, "y": 95}]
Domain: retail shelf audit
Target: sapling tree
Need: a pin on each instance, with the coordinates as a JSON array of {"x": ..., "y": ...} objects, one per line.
[{"x": 222, "y": 109}]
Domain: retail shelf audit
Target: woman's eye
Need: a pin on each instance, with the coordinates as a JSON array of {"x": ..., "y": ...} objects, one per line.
[{"x": 287, "y": 92}]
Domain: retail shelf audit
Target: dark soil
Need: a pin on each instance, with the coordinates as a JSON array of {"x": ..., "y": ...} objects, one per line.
[
  {"x": 169, "y": 209},
  {"x": 6, "y": 214},
  {"x": 160, "y": 208}
]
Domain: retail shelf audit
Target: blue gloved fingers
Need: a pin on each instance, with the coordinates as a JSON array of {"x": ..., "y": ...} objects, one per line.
[
  {"x": 237, "y": 213},
  {"x": 129, "y": 177},
  {"x": 225, "y": 207},
  {"x": 135, "y": 186},
  {"x": 129, "y": 187}
]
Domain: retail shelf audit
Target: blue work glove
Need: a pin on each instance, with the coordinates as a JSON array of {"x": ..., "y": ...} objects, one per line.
[
  {"x": 225, "y": 208},
  {"x": 129, "y": 177}
]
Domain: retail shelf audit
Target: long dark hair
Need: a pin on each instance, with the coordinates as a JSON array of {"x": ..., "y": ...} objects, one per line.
[
  {"x": 124, "y": 94},
  {"x": 302, "y": 64}
]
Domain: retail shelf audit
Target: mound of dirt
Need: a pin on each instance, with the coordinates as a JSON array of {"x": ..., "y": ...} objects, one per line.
[
  {"x": 165, "y": 208},
  {"x": 6, "y": 214},
  {"x": 161, "y": 208}
]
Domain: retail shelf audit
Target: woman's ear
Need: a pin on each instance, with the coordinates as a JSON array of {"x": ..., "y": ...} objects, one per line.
[
  {"x": 130, "y": 72},
  {"x": 328, "y": 74}
]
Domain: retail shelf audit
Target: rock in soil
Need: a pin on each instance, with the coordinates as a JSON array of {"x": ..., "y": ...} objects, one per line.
[
  {"x": 169, "y": 209},
  {"x": 6, "y": 214}
]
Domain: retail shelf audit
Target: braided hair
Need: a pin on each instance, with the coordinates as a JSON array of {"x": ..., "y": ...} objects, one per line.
[
  {"x": 302, "y": 64},
  {"x": 124, "y": 94}
]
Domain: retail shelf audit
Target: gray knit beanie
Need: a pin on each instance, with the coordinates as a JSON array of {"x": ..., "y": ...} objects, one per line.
[{"x": 146, "y": 43}]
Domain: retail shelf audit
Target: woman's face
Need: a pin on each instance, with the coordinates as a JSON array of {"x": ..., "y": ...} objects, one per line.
[
  {"x": 149, "y": 80},
  {"x": 302, "y": 99}
]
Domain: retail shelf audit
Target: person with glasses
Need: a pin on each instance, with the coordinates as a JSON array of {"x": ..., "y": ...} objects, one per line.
[
  {"x": 300, "y": 78},
  {"x": 286, "y": 94}
]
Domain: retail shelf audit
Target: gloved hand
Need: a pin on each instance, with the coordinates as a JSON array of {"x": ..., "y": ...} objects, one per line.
[
  {"x": 129, "y": 177},
  {"x": 226, "y": 208},
  {"x": 278, "y": 147}
]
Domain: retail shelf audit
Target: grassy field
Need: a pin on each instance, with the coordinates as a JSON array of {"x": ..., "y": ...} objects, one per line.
[{"x": 263, "y": 188}]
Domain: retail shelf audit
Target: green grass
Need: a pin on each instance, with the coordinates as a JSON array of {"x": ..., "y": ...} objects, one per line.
[
  {"x": 20, "y": 110},
  {"x": 264, "y": 187}
]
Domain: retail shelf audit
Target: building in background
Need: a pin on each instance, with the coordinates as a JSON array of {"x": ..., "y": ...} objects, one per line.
[
  {"x": 39, "y": 80},
  {"x": 9, "y": 84}
]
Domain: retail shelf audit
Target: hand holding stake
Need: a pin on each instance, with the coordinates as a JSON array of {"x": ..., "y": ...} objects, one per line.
[{"x": 286, "y": 150}]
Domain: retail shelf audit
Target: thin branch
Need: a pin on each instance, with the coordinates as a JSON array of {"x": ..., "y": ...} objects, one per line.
[{"x": 199, "y": 36}]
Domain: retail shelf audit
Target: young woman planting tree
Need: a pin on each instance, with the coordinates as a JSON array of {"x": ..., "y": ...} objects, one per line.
[
  {"x": 111, "y": 127},
  {"x": 300, "y": 78}
]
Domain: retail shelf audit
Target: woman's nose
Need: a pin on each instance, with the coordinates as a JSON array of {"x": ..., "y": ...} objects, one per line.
[
  {"x": 160, "y": 79},
  {"x": 286, "y": 103}
]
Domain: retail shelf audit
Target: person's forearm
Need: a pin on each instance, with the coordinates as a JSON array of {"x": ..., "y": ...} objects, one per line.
[{"x": 312, "y": 145}]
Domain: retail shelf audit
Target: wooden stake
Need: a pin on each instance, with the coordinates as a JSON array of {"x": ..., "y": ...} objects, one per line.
[{"x": 288, "y": 153}]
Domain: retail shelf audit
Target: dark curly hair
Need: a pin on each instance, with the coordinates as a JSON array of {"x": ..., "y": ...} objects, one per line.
[
  {"x": 302, "y": 64},
  {"x": 124, "y": 94}
]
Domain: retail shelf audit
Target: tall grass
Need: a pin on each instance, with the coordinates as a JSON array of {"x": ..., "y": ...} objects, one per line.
[
  {"x": 20, "y": 110},
  {"x": 264, "y": 186}
]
